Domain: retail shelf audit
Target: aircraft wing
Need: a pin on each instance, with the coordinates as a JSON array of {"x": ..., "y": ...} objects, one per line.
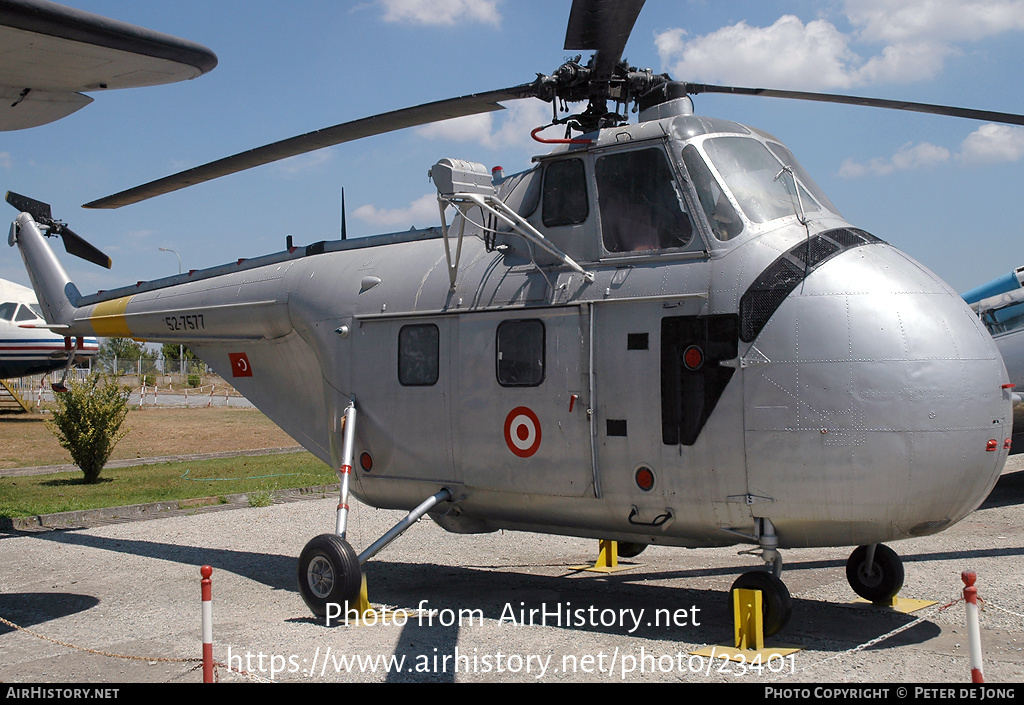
[{"x": 51, "y": 54}]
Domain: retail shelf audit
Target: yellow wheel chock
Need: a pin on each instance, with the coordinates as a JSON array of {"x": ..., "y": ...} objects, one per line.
[
  {"x": 748, "y": 633},
  {"x": 607, "y": 559}
]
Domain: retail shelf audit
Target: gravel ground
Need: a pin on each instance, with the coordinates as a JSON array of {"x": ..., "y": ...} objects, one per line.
[{"x": 133, "y": 589}]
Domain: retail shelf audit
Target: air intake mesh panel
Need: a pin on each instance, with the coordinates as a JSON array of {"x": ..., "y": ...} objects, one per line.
[{"x": 783, "y": 275}]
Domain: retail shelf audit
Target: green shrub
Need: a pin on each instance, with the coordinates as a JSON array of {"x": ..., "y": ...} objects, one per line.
[{"x": 87, "y": 421}]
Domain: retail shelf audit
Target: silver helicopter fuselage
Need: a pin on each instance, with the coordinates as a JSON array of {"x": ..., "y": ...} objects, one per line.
[{"x": 758, "y": 357}]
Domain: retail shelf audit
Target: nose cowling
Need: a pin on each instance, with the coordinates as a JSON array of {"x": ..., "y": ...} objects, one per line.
[{"x": 874, "y": 406}]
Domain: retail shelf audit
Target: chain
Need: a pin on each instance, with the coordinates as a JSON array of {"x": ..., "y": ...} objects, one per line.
[
  {"x": 94, "y": 651},
  {"x": 877, "y": 640}
]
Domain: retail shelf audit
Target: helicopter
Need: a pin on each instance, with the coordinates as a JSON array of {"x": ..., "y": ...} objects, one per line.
[{"x": 661, "y": 333}]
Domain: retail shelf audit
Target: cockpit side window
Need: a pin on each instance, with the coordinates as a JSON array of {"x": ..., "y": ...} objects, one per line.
[
  {"x": 25, "y": 314},
  {"x": 639, "y": 203},
  {"x": 725, "y": 223},
  {"x": 7, "y": 311},
  {"x": 565, "y": 193}
]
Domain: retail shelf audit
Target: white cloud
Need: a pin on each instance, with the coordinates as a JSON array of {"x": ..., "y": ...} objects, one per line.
[
  {"x": 786, "y": 54},
  {"x": 302, "y": 163},
  {"x": 934, "y": 20},
  {"x": 902, "y": 63},
  {"x": 6, "y": 162},
  {"x": 916, "y": 38},
  {"x": 420, "y": 213},
  {"x": 441, "y": 12},
  {"x": 993, "y": 143},
  {"x": 990, "y": 143},
  {"x": 907, "y": 157},
  {"x": 501, "y": 129}
]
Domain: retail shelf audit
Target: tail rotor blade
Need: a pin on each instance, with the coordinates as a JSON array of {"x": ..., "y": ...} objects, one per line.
[
  {"x": 39, "y": 211},
  {"x": 74, "y": 243},
  {"x": 79, "y": 247}
]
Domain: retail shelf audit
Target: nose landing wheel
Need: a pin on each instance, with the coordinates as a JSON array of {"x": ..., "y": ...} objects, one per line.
[
  {"x": 875, "y": 573},
  {"x": 776, "y": 603}
]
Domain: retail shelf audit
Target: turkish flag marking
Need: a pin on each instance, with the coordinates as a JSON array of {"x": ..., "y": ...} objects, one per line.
[{"x": 240, "y": 366}]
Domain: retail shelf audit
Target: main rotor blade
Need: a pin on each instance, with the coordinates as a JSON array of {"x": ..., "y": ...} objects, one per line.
[
  {"x": 311, "y": 141},
  {"x": 1009, "y": 118},
  {"x": 603, "y": 26}
]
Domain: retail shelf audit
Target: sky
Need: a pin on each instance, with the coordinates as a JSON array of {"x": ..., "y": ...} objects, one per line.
[{"x": 948, "y": 191}]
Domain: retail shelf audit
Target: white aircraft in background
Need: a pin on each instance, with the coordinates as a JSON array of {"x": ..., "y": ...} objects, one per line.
[
  {"x": 51, "y": 55},
  {"x": 27, "y": 345},
  {"x": 1000, "y": 304}
]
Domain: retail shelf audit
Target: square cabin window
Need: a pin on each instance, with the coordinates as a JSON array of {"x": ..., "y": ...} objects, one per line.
[
  {"x": 565, "y": 193},
  {"x": 520, "y": 353},
  {"x": 418, "y": 355}
]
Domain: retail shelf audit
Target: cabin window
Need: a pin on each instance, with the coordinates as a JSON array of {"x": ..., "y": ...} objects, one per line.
[
  {"x": 640, "y": 207},
  {"x": 725, "y": 223},
  {"x": 565, "y": 193},
  {"x": 418, "y": 355},
  {"x": 7, "y": 311},
  {"x": 520, "y": 353}
]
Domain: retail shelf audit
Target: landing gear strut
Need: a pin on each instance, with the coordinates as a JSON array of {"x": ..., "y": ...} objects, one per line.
[
  {"x": 776, "y": 602},
  {"x": 875, "y": 572},
  {"x": 330, "y": 572}
]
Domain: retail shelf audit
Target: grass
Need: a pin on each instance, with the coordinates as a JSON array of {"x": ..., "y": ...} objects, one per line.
[
  {"x": 25, "y": 439},
  {"x": 257, "y": 475}
]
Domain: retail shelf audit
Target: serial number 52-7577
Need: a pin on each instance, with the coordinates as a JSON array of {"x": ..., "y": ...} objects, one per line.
[{"x": 192, "y": 322}]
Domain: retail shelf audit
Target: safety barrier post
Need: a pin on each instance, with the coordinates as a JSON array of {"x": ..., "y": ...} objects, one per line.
[
  {"x": 207, "y": 589},
  {"x": 973, "y": 627}
]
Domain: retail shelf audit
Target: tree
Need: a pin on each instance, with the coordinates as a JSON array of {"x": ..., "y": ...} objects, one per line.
[
  {"x": 87, "y": 422},
  {"x": 171, "y": 353},
  {"x": 126, "y": 353}
]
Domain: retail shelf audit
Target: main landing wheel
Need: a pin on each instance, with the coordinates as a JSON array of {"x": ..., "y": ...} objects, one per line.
[
  {"x": 776, "y": 603},
  {"x": 880, "y": 581},
  {"x": 329, "y": 572}
]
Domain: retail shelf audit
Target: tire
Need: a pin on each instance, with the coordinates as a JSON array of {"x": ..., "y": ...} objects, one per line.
[
  {"x": 776, "y": 603},
  {"x": 329, "y": 572},
  {"x": 879, "y": 582},
  {"x": 631, "y": 550}
]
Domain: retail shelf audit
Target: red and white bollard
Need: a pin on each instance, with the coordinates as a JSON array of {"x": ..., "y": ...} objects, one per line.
[
  {"x": 973, "y": 626},
  {"x": 206, "y": 571}
]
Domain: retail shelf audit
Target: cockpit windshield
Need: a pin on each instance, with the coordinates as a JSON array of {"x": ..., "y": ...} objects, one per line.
[{"x": 765, "y": 181}]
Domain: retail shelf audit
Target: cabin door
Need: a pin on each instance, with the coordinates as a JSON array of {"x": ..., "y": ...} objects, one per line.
[{"x": 402, "y": 381}]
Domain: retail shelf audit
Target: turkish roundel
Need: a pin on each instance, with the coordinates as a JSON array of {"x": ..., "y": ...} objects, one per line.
[{"x": 240, "y": 366}]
